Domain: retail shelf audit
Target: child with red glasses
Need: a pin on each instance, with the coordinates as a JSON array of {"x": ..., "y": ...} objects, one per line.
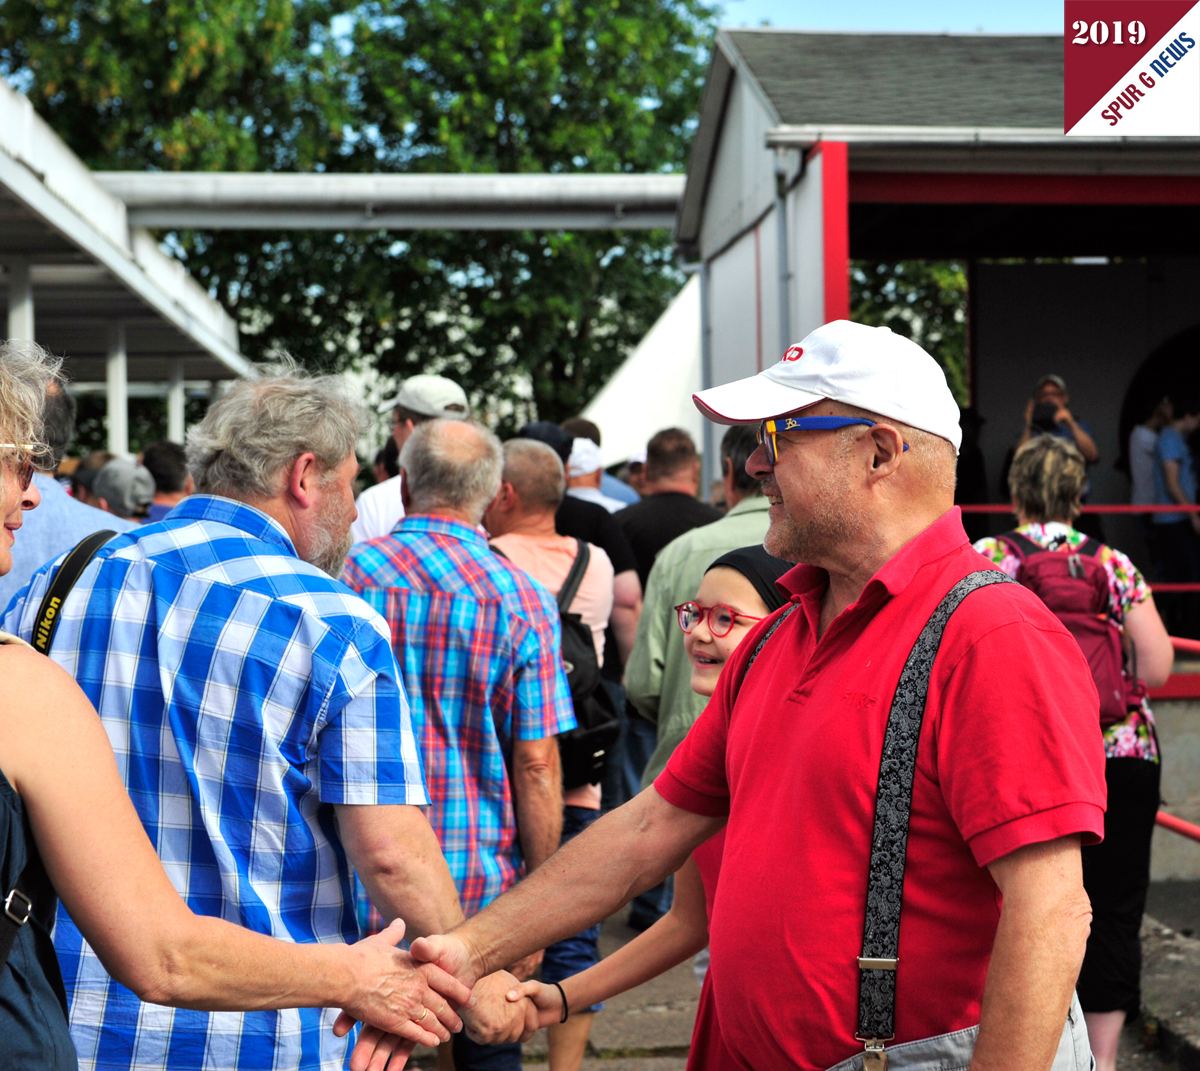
[{"x": 737, "y": 592}]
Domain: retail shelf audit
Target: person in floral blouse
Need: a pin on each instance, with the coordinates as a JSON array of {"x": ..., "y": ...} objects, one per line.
[{"x": 1046, "y": 479}]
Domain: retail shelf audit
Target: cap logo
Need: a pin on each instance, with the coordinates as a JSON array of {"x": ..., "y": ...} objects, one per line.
[{"x": 793, "y": 353}]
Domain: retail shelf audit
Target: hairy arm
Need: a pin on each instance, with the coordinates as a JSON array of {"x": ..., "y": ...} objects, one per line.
[
  {"x": 397, "y": 857},
  {"x": 55, "y": 753},
  {"x": 627, "y": 608},
  {"x": 1039, "y": 946},
  {"x": 537, "y": 786}
]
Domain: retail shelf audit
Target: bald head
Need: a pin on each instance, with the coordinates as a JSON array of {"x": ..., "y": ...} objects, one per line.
[
  {"x": 536, "y": 474},
  {"x": 451, "y": 464}
]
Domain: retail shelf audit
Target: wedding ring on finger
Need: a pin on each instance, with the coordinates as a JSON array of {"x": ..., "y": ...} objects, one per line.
[{"x": 423, "y": 1014}]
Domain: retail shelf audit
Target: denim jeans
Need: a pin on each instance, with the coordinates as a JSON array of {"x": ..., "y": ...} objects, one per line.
[{"x": 469, "y": 1056}]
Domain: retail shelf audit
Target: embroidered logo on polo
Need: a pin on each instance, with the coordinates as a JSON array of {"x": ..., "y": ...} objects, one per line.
[{"x": 1131, "y": 68}]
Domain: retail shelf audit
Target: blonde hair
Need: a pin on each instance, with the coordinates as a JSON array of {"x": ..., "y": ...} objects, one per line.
[
  {"x": 1047, "y": 477},
  {"x": 27, "y": 372}
]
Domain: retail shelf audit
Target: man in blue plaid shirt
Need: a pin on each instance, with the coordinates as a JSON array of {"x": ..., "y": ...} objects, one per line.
[{"x": 259, "y": 722}]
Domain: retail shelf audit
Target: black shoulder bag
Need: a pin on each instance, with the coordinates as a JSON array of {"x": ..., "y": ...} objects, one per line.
[
  {"x": 584, "y": 750},
  {"x": 33, "y": 896}
]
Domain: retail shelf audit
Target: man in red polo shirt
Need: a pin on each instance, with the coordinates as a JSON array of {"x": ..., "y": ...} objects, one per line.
[{"x": 1009, "y": 769}]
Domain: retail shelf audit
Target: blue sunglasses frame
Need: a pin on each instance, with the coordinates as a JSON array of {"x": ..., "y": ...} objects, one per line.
[{"x": 768, "y": 429}]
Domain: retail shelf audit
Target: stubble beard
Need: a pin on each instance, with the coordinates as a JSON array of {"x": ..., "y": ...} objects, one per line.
[
  {"x": 331, "y": 540},
  {"x": 815, "y": 535}
]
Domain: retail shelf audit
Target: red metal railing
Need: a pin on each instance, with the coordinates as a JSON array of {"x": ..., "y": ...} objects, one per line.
[
  {"x": 1178, "y": 825},
  {"x": 1124, "y": 507}
]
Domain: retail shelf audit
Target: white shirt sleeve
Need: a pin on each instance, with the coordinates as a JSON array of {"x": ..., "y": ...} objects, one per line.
[{"x": 380, "y": 509}]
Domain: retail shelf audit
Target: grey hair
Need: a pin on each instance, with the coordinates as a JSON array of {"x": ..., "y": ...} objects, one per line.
[
  {"x": 536, "y": 473},
  {"x": 248, "y": 439},
  {"x": 452, "y": 463},
  {"x": 27, "y": 372}
]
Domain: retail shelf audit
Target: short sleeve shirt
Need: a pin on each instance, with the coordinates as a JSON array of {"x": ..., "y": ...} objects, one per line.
[
  {"x": 1009, "y": 756},
  {"x": 1172, "y": 447}
]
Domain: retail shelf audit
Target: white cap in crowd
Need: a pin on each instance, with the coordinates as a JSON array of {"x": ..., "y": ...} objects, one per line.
[
  {"x": 584, "y": 459},
  {"x": 868, "y": 367},
  {"x": 431, "y": 396}
]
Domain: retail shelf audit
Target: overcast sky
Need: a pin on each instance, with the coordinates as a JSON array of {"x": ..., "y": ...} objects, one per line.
[{"x": 928, "y": 16}]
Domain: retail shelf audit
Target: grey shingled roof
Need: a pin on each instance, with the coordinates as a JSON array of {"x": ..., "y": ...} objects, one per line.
[{"x": 971, "y": 80}]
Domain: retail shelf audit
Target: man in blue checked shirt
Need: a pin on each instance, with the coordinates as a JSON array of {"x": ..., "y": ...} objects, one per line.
[{"x": 259, "y": 723}]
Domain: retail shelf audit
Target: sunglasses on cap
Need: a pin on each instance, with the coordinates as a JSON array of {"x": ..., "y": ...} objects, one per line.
[
  {"x": 25, "y": 467},
  {"x": 769, "y": 429},
  {"x": 721, "y": 618}
]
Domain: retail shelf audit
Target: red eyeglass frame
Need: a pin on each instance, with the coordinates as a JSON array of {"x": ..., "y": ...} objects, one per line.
[{"x": 705, "y": 613}]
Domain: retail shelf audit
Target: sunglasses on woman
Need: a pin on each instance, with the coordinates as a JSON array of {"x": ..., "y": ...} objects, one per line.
[
  {"x": 25, "y": 468},
  {"x": 721, "y": 618},
  {"x": 769, "y": 429}
]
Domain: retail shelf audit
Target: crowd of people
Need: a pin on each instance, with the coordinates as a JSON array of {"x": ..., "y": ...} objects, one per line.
[{"x": 503, "y": 692}]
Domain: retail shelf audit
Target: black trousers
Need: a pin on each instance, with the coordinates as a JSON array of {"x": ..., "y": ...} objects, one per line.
[{"x": 1116, "y": 875}]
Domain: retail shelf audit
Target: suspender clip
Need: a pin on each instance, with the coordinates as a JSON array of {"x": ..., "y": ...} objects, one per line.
[
  {"x": 867, "y": 963},
  {"x": 874, "y": 1056}
]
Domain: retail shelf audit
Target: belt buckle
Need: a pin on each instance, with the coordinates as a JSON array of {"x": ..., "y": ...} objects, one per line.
[{"x": 26, "y": 903}]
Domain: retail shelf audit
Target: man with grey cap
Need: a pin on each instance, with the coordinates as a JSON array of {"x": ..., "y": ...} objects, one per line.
[
  {"x": 421, "y": 398},
  {"x": 124, "y": 489},
  {"x": 1051, "y": 397},
  {"x": 904, "y": 758}
]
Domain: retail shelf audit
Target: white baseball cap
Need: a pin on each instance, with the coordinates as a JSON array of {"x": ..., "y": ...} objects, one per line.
[
  {"x": 868, "y": 367},
  {"x": 432, "y": 396},
  {"x": 584, "y": 459}
]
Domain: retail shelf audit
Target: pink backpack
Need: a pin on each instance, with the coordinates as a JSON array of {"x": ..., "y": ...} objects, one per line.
[{"x": 1075, "y": 588}]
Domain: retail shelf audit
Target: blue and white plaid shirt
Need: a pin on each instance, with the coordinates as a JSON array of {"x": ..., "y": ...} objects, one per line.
[{"x": 244, "y": 692}]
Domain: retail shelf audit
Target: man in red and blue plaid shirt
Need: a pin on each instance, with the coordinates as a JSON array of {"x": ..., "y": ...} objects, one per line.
[{"x": 479, "y": 648}]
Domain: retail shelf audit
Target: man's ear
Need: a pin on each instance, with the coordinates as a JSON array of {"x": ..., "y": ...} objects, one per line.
[
  {"x": 888, "y": 446},
  {"x": 405, "y": 494},
  {"x": 302, "y": 480},
  {"x": 189, "y": 488}
]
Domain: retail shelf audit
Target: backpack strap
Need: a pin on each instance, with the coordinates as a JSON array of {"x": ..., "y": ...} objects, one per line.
[
  {"x": 570, "y": 588},
  {"x": 889, "y": 838},
  {"x": 1022, "y": 545},
  {"x": 77, "y": 559},
  {"x": 31, "y": 897},
  {"x": 1090, "y": 548}
]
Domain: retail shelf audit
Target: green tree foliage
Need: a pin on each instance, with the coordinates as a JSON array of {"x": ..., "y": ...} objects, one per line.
[
  {"x": 531, "y": 323},
  {"x": 925, "y": 300}
]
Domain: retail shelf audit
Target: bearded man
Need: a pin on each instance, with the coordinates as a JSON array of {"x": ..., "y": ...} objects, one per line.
[
  {"x": 905, "y": 758},
  {"x": 259, "y": 721}
]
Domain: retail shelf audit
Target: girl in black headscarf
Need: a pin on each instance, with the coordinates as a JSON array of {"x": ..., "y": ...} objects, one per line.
[{"x": 737, "y": 591}]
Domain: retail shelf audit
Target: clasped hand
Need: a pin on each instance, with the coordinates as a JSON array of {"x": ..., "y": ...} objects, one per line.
[{"x": 490, "y": 1016}]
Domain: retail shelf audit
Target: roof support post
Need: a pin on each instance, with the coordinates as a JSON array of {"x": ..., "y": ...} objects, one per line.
[
  {"x": 709, "y": 445},
  {"x": 175, "y": 402},
  {"x": 785, "y": 260},
  {"x": 117, "y": 393},
  {"x": 20, "y": 298}
]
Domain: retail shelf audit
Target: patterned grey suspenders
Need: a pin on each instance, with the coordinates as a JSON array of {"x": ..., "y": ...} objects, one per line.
[
  {"x": 893, "y": 806},
  {"x": 889, "y": 840}
]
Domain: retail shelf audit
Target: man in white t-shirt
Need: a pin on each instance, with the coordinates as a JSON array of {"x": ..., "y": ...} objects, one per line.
[
  {"x": 584, "y": 472},
  {"x": 521, "y": 522},
  {"x": 421, "y": 398}
]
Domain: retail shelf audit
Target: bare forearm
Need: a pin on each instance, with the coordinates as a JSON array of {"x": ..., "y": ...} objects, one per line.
[
  {"x": 626, "y": 852},
  {"x": 1086, "y": 443},
  {"x": 1035, "y": 961},
  {"x": 539, "y": 805},
  {"x": 624, "y": 621},
  {"x": 398, "y": 858},
  {"x": 669, "y": 942},
  {"x": 1175, "y": 489}
]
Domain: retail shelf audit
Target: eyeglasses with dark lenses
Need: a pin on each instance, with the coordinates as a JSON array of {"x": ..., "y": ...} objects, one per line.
[{"x": 721, "y": 618}]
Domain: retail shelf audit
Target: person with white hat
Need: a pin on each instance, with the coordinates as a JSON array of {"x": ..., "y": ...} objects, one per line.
[
  {"x": 421, "y": 398},
  {"x": 584, "y": 470},
  {"x": 904, "y": 759}
]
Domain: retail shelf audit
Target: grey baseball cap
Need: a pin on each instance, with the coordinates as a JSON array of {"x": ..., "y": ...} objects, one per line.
[
  {"x": 431, "y": 396},
  {"x": 128, "y": 488}
]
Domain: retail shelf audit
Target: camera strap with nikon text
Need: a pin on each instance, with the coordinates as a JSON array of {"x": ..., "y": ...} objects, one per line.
[{"x": 77, "y": 559}]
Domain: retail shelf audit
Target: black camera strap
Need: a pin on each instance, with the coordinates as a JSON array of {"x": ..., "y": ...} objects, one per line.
[{"x": 78, "y": 558}]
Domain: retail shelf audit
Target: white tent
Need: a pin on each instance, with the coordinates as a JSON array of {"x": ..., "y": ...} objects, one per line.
[{"x": 653, "y": 389}]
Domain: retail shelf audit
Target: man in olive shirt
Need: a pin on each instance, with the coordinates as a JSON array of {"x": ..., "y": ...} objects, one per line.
[{"x": 658, "y": 675}]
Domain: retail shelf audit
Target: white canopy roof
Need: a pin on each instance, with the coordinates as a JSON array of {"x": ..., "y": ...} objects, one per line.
[{"x": 653, "y": 389}]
